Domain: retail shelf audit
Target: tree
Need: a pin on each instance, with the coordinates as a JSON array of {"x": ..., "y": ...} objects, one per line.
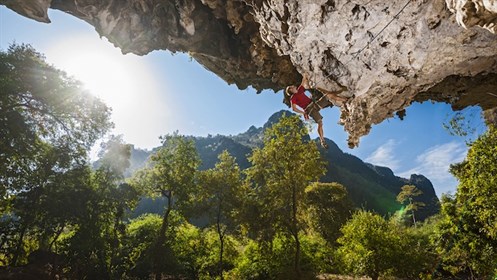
[
  {"x": 406, "y": 196},
  {"x": 41, "y": 104},
  {"x": 467, "y": 234},
  {"x": 172, "y": 176},
  {"x": 140, "y": 244},
  {"x": 478, "y": 182},
  {"x": 280, "y": 172},
  {"x": 327, "y": 209},
  {"x": 95, "y": 247},
  {"x": 466, "y": 123},
  {"x": 47, "y": 125},
  {"x": 369, "y": 245},
  {"x": 220, "y": 198},
  {"x": 118, "y": 197},
  {"x": 465, "y": 250},
  {"x": 141, "y": 234},
  {"x": 255, "y": 262}
]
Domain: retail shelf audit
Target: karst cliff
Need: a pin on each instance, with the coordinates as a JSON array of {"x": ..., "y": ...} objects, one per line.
[{"x": 383, "y": 54}]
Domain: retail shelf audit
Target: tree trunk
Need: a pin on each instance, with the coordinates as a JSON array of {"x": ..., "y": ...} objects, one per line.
[
  {"x": 295, "y": 233},
  {"x": 158, "y": 251},
  {"x": 221, "y": 240},
  {"x": 57, "y": 234},
  {"x": 413, "y": 218},
  {"x": 297, "y": 255},
  {"x": 17, "y": 252},
  {"x": 411, "y": 206},
  {"x": 115, "y": 242}
]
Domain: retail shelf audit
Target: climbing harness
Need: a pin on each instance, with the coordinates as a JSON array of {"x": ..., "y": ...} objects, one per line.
[{"x": 319, "y": 98}]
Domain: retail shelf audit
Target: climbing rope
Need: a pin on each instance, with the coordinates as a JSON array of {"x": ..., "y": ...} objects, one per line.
[{"x": 375, "y": 36}]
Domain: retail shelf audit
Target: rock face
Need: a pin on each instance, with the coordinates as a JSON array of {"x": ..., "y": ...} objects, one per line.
[
  {"x": 475, "y": 12},
  {"x": 384, "y": 54}
]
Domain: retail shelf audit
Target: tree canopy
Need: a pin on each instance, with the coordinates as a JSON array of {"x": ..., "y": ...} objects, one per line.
[
  {"x": 43, "y": 108},
  {"x": 280, "y": 172},
  {"x": 273, "y": 220}
]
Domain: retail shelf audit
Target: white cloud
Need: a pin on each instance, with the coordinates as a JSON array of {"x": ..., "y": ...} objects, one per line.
[
  {"x": 434, "y": 164},
  {"x": 384, "y": 156}
]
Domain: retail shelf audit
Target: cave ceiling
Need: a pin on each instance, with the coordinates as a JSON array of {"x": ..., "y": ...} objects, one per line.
[{"x": 384, "y": 55}]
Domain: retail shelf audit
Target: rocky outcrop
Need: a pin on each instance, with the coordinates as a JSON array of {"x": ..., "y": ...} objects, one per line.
[
  {"x": 469, "y": 13},
  {"x": 384, "y": 54}
]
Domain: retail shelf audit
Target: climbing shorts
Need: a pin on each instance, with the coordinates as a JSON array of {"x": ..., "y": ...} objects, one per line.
[
  {"x": 313, "y": 111},
  {"x": 323, "y": 102},
  {"x": 320, "y": 98}
]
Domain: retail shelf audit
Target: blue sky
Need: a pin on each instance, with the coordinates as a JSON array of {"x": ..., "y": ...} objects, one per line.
[{"x": 161, "y": 92}]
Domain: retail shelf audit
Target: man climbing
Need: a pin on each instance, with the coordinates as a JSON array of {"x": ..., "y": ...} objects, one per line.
[{"x": 302, "y": 104}]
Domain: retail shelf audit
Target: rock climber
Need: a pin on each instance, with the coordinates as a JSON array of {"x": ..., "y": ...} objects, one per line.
[{"x": 296, "y": 98}]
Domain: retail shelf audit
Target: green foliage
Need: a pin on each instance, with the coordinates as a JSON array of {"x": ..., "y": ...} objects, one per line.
[
  {"x": 199, "y": 250},
  {"x": 220, "y": 192},
  {"x": 41, "y": 104},
  {"x": 373, "y": 246},
  {"x": 274, "y": 260},
  {"x": 407, "y": 193},
  {"x": 368, "y": 245},
  {"x": 192, "y": 251},
  {"x": 465, "y": 250},
  {"x": 47, "y": 125},
  {"x": 418, "y": 257},
  {"x": 140, "y": 242},
  {"x": 327, "y": 209},
  {"x": 172, "y": 175},
  {"x": 467, "y": 234},
  {"x": 465, "y": 123},
  {"x": 141, "y": 234},
  {"x": 115, "y": 156},
  {"x": 280, "y": 172},
  {"x": 219, "y": 199},
  {"x": 172, "y": 170},
  {"x": 407, "y": 197},
  {"x": 478, "y": 181},
  {"x": 188, "y": 251},
  {"x": 93, "y": 201},
  {"x": 287, "y": 225}
]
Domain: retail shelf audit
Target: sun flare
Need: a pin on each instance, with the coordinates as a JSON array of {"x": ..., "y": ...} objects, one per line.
[
  {"x": 124, "y": 82},
  {"x": 104, "y": 71}
]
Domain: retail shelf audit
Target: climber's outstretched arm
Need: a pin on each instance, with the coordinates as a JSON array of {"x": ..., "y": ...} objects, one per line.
[
  {"x": 296, "y": 109},
  {"x": 333, "y": 95},
  {"x": 305, "y": 81}
]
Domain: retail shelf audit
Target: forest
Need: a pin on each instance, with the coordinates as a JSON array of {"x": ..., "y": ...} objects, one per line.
[{"x": 63, "y": 218}]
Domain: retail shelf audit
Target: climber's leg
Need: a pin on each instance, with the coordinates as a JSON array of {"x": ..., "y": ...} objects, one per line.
[
  {"x": 321, "y": 134},
  {"x": 333, "y": 96},
  {"x": 313, "y": 111}
]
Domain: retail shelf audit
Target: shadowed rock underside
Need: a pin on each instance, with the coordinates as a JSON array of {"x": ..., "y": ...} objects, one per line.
[{"x": 383, "y": 54}]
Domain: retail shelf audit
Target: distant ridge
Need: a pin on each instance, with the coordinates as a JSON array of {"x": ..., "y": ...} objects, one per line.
[{"x": 370, "y": 187}]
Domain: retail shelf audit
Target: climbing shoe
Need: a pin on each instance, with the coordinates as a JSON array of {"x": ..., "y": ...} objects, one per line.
[{"x": 324, "y": 145}]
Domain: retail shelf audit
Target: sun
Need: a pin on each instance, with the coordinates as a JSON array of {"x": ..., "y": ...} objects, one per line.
[
  {"x": 103, "y": 69},
  {"x": 103, "y": 75},
  {"x": 126, "y": 83}
]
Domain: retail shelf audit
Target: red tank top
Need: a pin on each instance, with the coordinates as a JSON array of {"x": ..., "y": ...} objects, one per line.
[{"x": 300, "y": 98}]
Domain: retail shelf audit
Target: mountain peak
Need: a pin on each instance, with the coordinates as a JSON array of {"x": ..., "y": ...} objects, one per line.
[
  {"x": 369, "y": 186},
  {"x": 274, "y": 118}
]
